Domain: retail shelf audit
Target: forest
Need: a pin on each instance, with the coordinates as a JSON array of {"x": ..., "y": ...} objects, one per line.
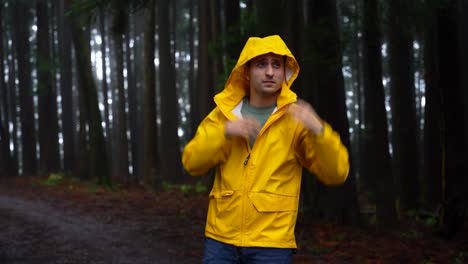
[{"x": 110, "y": 91}]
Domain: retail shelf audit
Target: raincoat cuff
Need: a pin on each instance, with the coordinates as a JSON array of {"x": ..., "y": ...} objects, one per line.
[{"x": 326, "y": 132}]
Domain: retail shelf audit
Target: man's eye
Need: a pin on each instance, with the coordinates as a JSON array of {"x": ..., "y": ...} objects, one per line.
[
  {"x": 277, "y": 65},
  {"x": 261, "y": 64}
]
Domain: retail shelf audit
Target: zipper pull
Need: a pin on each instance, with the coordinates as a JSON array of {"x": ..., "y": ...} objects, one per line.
[{"x": 246, "y": 159}]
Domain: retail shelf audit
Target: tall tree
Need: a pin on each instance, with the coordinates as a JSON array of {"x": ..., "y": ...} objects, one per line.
[
  {"x": 403, "y": 105},
  {"x": 463, "y": 36},
  {"x": 3, "y": 89},
  {"x": 12, "y": 91},
  {"x": 170, "y": 146},
  {"x": 105, "y": 85},
  {"x": 119, "y": 26},
  {"x": 202, "y": 94},
  {"x": 376, "y": 131},
  {"x": 4, "y": 152},
  {"x": 350, "y": 31},
  {"x": 338, "y": 204},
  {"x": 6, "y": 160},
  {"x": 150, "y": 166},
  {"x": 233, "y": 45},
  {"x": 191, "y": 70},
  {"x": 134, "y": 97},
  {"x": 432, "y": 114},
  {"x": 97, "y": 157},
  {"x": 454, "y": 134},
  {"x": 214, "y": 23},
  {"x": 66, "y": 86},
  {"x": 272, "y": 18},
  {"x": 20, "y": 20},
  {"x": 48, "y": 120}
]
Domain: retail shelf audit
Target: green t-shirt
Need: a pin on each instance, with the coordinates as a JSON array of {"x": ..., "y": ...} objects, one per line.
[{"x": 261, "y": 114}]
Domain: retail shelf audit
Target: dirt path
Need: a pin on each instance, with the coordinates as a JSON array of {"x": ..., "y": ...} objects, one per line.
[
  {"x": 34, "y": 232},
  {"x": 71, "y": 223}
]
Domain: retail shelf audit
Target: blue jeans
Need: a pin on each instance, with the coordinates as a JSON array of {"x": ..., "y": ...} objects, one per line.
[{"x": 220, "y": 253}]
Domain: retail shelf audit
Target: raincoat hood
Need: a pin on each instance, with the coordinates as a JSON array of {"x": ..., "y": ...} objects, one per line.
[{"x": 237, "y": 87}]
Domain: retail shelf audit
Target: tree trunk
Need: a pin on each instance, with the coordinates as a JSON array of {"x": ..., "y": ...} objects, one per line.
[
  {"x": 170, "y": 158},
  {"x": 272, "y": 18},
  {"x": 4, "y": 152},
  {"x": 204, "y": 91},
  {"x": 403, "y": 105},
  {"x": 454, "y": 134},
  {"x": 5, "y": 157},
  {"x": 98, "y": 163},
  {"x": 121, "y": 127},
  {"x": 150, "y": 166},
  {"x": 21, "y": 42},
  {"x": 463, "y": 69},
  {"x": 12, "y": 91},
  {"x": 432, "y": 116},
  {"x": 66, "y": 87},
  {"x": 376, "y": 136},
  {"x": 356, "y": 79},
  {"x": 6, "y": 161},
  {"x": 338, "y": 204},
  {"x": 191, "y": 72},
  {"x": 214, "y": 23},
  {"x": 48, "y": 120},
  {"x": 233, "y": 46},
  {"x": 3, "y": 88},
  {"x": 105, "y": 86},
  {"x": 133, "y": 102}
]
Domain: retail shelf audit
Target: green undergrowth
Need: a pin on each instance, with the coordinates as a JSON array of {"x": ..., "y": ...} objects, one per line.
[
  {"x": 187, "y": 189},
  {"x": 66, "y": 181},
  {"x": 62, "y": 180}
]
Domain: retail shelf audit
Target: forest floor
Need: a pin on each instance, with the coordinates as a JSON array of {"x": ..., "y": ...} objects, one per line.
[{"x": 74, "y": 222}]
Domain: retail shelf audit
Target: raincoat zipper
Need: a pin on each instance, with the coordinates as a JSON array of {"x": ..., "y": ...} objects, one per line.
[{"x": 246, "y": 159}]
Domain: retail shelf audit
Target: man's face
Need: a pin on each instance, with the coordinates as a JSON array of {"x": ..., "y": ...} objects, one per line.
[{"x": 266, "y": 75}]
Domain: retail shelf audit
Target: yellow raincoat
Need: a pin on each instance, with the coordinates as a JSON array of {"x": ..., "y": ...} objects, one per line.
[{"x": 255, "y": 195}]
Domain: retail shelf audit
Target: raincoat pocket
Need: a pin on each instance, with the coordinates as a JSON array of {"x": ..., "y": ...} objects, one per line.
[
  {"x": 223, "y": 212},
  {"x": 270, "y": 202}
]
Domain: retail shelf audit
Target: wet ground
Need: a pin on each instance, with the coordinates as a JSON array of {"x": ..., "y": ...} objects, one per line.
[
  {"x": 73, "y": 223},
  {"x": 34, "y": 232}
]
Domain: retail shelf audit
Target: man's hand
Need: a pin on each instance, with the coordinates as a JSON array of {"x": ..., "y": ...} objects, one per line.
[
  {"x": 244, "y": 127},
  {"x": 304, "y": 113}
]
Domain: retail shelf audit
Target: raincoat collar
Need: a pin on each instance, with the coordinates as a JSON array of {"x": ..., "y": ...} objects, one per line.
[{"x": 237, "y": 87}]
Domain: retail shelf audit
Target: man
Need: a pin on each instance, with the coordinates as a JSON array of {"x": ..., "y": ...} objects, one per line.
[{"x": 259, "y": 137}]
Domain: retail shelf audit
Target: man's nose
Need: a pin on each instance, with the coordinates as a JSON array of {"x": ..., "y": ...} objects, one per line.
[{"x": 269, "y": 70}]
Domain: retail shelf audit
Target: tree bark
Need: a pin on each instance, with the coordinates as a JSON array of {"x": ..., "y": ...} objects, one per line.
[
  {"x": 376, "y": 131},
  {"x": 454, "y": 134},
  {"x": 150, "y": 165},
  {"x": 6, "y": 160},
  {"x": 66, "y": 87},
  {"x": 272, "y": 18},
  {"x": 338, "y": 204},
  {"x": 105, "y": 86},
  {"x": 233, "y": 46},
  {"x": 432, "y": 116},
  {"x": 133, "y": 101},
  {"x": 170, "y": 159},
  {"x": 48, "y": 120},
  {"x": 12, "y": 91},
  {"x": 403, "y": 105},
  {"x": 204, "y": 90},
  {"x": 463, "y": 69},
  {"x": 21, "y": 20},
  {"x": 97, "y": 158},
  {"x": 121, "y": 127}
]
